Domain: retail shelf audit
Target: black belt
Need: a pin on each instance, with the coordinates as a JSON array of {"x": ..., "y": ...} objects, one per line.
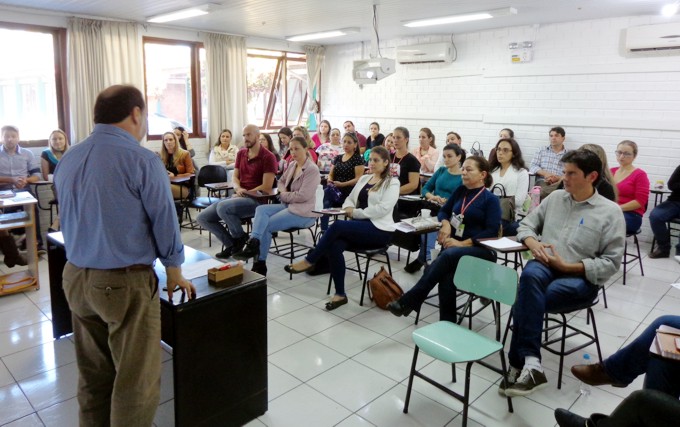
[{"x": 133, "y": 267}]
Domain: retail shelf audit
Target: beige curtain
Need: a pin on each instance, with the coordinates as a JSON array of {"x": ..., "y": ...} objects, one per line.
[
  {"x": 100, "y": 54},
  {"x": 316, "y": 56},
  {"x": 226, "y": 78}
]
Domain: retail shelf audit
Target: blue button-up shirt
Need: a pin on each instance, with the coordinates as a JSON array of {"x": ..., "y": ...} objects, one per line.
[
  {"x": 20, "y": 164},
  {"x": 115, "y": 204}
]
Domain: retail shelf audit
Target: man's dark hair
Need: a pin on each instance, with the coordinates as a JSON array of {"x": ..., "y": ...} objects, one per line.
[
  {"x": 558, "y": 129},
  {"x": 585, "y": 160},
  {"x": 115, "y": 103}
]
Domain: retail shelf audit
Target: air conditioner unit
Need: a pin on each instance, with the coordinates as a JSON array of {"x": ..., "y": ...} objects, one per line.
[
  {"x": 653, "y": 37},
  {"x": 421, "y": 53}
]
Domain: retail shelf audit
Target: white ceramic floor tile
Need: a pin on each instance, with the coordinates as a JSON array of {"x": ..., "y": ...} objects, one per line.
[
  {"x": 32, "y": 420},
  {"x": 40, "y": 358},
  {"x": 310, "y": 292},
  {"x": 391, "y": 358},
  {"x": 309, "y": 320},
  {"x": 64, "y": 414},
  {"x": 355, "y": 421},
  {"x": 6, "y": 377},
  {"x": 279, "y": 304},
  {"x": 165, "y": 414},
  {"x": 387, "y": 410},
  {"x": 491, "y": 410},
  {"x": 348, "y": 338},
  {"x": 14, "y": 404},
  {"x": 382, "y": 322},
  {"x": 279, "y": 382},
  {"x": 304, "y": 406},
  {"x": 167, "y": 382},
  {"x": 51, "y": 387},
  {"x": 351, "y": 384},
  {"x": 18, "y": 317},
  {"x": 12, "y": 302},
  {"x": 280, "y": 337},
  {"x": 306, "y": 359},
  {"x": 25, "y": 337}
]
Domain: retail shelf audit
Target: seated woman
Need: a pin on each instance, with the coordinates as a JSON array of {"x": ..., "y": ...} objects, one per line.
[
  {"x": 404, "y": 165},
  {"x": 385, "y": 141},
  {"x": 375, "y": 138},
  {"x": 178, "y": 164},
  {"x": 472, "y": 213},
  {"x": 285, "y": 135},
  {"x": 369, "y": 210},
  {"x": 508, "y": 169},
  {"x": 297, "y": 192},
  {"x": 346, "y": 170},
  {"x": 267, "y": 142},
  {"x": 426, "y": 153},
  {"x": 633, "y": 186},
  {"x": 323, "y": 136},
  {"x": 50, "y": 157},
  {"x": 505, "y": 133},
  {"x": 437, "y": 191},
  {"x": 301, "y": 132},
  {"x": 328, "y": 151},
  {"x": 224, "y": 152},
  {"x": 451, "y": 138},
  {"x": 183, "y": 139}
]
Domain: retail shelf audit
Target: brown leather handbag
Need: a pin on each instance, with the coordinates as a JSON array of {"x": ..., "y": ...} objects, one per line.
[{"x": 382, "y": 289}]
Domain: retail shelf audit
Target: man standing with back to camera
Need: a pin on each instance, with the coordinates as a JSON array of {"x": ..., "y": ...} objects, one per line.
[{"x": 117, "y": 216}]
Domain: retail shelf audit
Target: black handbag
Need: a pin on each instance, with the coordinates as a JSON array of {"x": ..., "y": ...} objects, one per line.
[
  {"x": 476, "y": 151},
  {"x": 507, "y": 203}
]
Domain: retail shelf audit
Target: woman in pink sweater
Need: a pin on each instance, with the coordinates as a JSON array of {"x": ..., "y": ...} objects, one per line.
[{"x": 633, "y": 185}]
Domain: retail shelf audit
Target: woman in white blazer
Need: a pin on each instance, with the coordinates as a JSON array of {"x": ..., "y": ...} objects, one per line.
[
  {"x": 369, "y": 211},
  {"x": 508, "y": 169}
]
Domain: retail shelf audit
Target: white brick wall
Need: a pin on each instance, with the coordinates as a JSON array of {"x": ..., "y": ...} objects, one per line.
[{"x": 581, "y": 78}]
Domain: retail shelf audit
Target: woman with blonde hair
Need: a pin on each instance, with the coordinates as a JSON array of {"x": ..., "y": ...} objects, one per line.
[
  {"x": 58, "y": 144},
  {"x": 426, "y": 152},
  {"x": 177, "y": 162}
]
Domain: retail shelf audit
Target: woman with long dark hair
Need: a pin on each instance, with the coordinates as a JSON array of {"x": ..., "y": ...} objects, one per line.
[
  {"x": 509, "y": 171},
  {"x": 369, "y": 210}
]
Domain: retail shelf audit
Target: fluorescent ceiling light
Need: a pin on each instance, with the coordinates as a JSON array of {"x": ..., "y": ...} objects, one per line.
[
  {"x": 179, "y": 14},
  {"x": 461, "y": 18},
  {"x": 670, "y": 9},
  {"x": 323, "y": 34}
]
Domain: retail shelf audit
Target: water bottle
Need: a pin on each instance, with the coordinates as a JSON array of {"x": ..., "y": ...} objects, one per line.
[
  {"x": 584, "y": 388},
  {"x": 535, "y": 197}
]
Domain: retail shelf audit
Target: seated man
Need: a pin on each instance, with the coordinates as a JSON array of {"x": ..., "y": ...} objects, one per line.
[
  {"x": 18, "y": 168},
  {"x": 254, "y": 169},
  {"x": 581, "y": 247},
  {"x": 643, "y": 408},
  {"x": 660, "y": 216},
  {"x": 546, "y": 164}
]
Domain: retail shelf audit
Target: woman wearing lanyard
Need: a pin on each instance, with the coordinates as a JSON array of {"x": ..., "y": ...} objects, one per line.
[{"x": 471, "y": 213}]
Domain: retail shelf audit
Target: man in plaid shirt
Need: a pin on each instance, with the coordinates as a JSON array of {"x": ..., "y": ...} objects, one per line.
[{"x": 546, "y": 164}]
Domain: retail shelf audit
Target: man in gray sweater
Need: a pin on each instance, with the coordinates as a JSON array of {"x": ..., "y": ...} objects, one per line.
[{"x": 576, "y": 237}]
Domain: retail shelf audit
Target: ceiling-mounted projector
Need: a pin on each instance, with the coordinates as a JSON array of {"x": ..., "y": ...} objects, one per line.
[{"x": 369, "y": 71}]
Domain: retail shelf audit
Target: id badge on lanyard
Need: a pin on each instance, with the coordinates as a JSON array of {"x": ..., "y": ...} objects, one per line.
[
  {"x": 457, "y": 224},
  {"x": 395, "y": 169}
]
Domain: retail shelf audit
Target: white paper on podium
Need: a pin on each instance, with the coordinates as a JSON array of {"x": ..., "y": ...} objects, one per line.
[{"x": 200, "y": 268}]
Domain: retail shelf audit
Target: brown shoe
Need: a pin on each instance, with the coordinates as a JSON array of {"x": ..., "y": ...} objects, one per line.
[
  {"x": 594, "y": 375},
  {"x": 660, "y": 253}
]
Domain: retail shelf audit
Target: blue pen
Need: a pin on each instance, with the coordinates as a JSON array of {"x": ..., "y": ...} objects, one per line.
[{"x": 581, "y": 223}]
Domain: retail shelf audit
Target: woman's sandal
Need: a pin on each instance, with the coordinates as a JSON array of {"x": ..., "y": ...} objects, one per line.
[
  {"x": 332, "y": 305},
  {"x": 289, "y": 269}
]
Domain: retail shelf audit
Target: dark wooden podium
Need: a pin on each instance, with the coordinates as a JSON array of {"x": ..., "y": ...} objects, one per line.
[{"x": 219, "y": 343}]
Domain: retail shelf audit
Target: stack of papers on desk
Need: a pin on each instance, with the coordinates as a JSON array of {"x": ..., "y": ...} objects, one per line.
[
  {"x": 664, "y": 343},
  {"x": 503, "y": 243},
  {"x": 410, "y": 225}
]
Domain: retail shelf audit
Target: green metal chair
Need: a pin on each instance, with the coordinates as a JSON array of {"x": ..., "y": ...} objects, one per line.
[{"x": 452, "y": 343}]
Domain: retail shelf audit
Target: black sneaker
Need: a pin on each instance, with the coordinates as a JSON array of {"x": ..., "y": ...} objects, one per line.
[
  {"x": 413, "y": 266},
  {"x": 528, "y": 381},
  {"x": 513, "y": 374},
  {"x": 260, "y": 267},
  {"x": 252, "y": 250},
  {"x": 238, "y": 243},
  {"x": 225, "y": 253},
  {"x": 660, "y": 253}
]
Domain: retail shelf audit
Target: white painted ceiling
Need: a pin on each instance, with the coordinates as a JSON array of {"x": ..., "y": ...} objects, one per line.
[{"x": 276, "y": 19}]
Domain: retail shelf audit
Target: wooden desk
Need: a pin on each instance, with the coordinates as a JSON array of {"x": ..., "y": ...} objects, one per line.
[
  {"x": 219, "y": 342},
  {"x": 22, "y": 280}
]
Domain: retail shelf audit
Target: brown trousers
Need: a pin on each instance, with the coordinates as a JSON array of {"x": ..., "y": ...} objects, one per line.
[{"x": 117, "y": 330}]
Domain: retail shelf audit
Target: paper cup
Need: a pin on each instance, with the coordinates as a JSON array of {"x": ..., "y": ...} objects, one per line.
[
  {"x": 50, "y": 178},
  {"x": 425, "y": 213}
]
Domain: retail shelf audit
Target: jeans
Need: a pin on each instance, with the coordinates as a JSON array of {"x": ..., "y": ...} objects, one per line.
[
  {"x": 271, "y": 218},
  {"x": 634, "y": 359},
  {"x": 341, "y": 235},
  {"x": 441, "y": 272},
  {"x": 643, "y": 408},
  {"x": 633, "y": 222},
  {"x": 427, "y": 242},
  {"x": 231, "y": 211},
  {"x": 542, "y": 290},
  {"x": 658, "y": 218}
]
